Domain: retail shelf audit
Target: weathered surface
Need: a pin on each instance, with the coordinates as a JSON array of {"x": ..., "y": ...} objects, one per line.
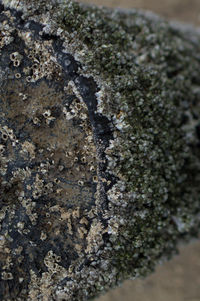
[{"x": 100, "y": 129}]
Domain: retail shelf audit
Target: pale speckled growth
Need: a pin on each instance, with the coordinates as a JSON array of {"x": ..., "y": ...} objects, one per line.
[{"x": 99, "y": 147}]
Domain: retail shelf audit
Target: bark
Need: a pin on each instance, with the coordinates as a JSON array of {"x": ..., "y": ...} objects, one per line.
[{"x": 99, "y": 146}]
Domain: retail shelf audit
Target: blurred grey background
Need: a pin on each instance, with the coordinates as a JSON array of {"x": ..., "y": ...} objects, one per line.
[
  {"x": 179, "y": 279},
  {"x": 183, "y": 10}
]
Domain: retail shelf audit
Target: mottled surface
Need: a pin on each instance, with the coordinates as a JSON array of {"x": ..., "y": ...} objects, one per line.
[
  {"x": 99, "y": 137},
  {"x": 177, "y": 280}
]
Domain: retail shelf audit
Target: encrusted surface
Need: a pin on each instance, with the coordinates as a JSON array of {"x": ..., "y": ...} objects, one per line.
[{"x": 99, "y": 124}]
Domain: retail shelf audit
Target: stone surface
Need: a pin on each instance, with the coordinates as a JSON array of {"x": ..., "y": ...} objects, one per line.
[{"x": 100, "y": 155}]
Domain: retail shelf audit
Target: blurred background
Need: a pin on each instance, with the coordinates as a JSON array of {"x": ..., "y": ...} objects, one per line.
[
  {"x": 183, "y": 10},
  {"x": 179, "y": 279}
]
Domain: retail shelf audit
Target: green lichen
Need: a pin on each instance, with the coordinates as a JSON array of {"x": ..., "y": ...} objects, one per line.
[{"x": 151, "y": 72}]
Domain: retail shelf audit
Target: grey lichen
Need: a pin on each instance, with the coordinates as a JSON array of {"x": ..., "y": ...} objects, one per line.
[{"x": 100, "y": 138}]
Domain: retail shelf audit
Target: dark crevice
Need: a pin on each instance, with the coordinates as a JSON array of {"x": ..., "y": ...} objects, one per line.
[
  {"x": 1, "y": 7},
  {"x": 102, "y": 128}
]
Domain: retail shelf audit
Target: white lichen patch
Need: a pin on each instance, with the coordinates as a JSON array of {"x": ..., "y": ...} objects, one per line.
[
  {"x": 94, "y": 237},
  {"x": 28, "y": 147}
]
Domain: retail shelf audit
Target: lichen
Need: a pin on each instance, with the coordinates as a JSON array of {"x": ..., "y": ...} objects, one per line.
[
  {"x": 99, "y": 147},
  {"x": 149, "y": 74}
]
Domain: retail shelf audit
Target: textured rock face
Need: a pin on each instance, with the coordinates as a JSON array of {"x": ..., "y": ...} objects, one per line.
[{"x": 99, "y": 147}]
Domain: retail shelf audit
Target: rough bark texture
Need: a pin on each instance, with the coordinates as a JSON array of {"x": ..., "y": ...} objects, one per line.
[{"x": 100, "y": 130}]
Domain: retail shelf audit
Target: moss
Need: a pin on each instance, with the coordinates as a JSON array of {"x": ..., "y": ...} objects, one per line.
[
  {"x": 105, "y": 38},
  {"x": 150, "y": 70}
]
